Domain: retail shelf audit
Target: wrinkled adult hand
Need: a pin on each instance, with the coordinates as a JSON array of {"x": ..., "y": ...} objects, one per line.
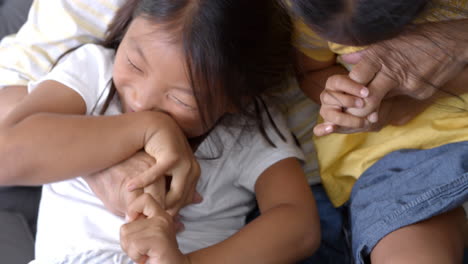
[
  {"x": 416, "y": 63},
  {"x": 110, "y": 185}
]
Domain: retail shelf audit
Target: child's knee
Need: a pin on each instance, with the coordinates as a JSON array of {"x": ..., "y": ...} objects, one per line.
[{"x": 436, "y": 240}]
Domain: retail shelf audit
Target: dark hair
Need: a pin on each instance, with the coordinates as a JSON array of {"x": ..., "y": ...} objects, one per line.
[
  {"x": 358, "y": 22},
  {"x": 235, "y": 49}
]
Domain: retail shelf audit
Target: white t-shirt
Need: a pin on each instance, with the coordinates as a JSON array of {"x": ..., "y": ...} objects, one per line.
[{"x": 75, "y": 227}]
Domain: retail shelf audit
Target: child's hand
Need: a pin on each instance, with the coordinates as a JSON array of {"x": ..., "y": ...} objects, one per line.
[
  {"x": 347, "y": 107},
  {"x": 174, "y": 157},
  {"x": 149, "y": 237},
  {"x": 340, "y": 95}
]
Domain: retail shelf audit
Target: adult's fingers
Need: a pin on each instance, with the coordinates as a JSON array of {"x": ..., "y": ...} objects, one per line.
[
  {"x": 379, "y": 87},
  {"x": 158, "y": 170},
  {"x": 130, "y": 197},
  {"x": 353, "y": 58},
  {"x": 365, "y": 71},
  {"x": 183, "y": 187},
  {"x": 158, "y": 191},
  {"x": 144, "y": 205}
]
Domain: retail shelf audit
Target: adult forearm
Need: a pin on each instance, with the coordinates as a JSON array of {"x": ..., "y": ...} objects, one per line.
[
  {"x": 263, "y": 241},
  {"x": 51, "y": 147}
]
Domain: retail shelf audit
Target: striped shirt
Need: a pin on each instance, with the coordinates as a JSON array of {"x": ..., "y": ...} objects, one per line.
[{"x": 53, "y": 27}]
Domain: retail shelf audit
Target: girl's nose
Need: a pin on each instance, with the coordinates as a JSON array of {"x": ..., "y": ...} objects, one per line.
[{"x": 142, "y": 99}]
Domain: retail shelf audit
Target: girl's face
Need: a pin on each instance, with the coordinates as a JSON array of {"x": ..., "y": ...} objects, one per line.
[{"x": 150, "y": 74}]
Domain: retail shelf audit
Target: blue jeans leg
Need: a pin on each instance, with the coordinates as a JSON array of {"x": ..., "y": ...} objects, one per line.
[{"x": 334, "y": 247}]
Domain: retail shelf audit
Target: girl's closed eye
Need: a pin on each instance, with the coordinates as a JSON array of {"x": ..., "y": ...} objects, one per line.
[
  {"x": 132, "y": 65},
  {"x": 181, "y": 102}
]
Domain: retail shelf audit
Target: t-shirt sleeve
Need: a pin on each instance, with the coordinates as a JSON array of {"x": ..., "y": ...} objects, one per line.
[
  {"x": 257, "y": 154},
  {"x": 87, "y": 70}
]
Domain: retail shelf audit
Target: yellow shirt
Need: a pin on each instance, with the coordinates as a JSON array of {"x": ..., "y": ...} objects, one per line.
[{"x": 343, "y": 158}]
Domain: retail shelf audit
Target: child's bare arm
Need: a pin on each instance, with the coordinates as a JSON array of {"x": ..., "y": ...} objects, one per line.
[
  {"x": 9, "y": 97},
  {"x": 312, "y": 75},
  {"x": 287, "y": 230},
  {"x": 47, "y": 138}
]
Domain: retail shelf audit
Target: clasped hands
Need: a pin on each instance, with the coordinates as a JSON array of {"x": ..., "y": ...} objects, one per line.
[
  {"x": 393, "y": 81},
  {"x": 149, "y": 192}
]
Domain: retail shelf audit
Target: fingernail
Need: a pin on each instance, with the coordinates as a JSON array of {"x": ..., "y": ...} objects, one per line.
[
  {"x": 373, "y": 118},
  {"x": 359, "y": 103},
  {"x": 364, "y": 92},
  {"x": 131, "y": 187},
  {"x": 328, "y": 129}
]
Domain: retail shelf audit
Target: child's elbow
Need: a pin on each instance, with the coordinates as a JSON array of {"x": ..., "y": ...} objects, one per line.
[{"x": 309, "y": 232}]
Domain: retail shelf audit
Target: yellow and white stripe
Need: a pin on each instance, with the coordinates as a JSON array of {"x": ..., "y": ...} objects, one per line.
[{"x": 53, "y": 27}]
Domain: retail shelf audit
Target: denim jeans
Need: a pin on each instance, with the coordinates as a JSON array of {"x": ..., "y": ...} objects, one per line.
[{"x": 334, "y": 246}]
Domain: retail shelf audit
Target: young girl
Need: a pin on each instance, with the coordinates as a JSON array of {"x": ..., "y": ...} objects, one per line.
[
  {"x": 168, "y": 70},
  {"x": 404, "y": 185}
]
